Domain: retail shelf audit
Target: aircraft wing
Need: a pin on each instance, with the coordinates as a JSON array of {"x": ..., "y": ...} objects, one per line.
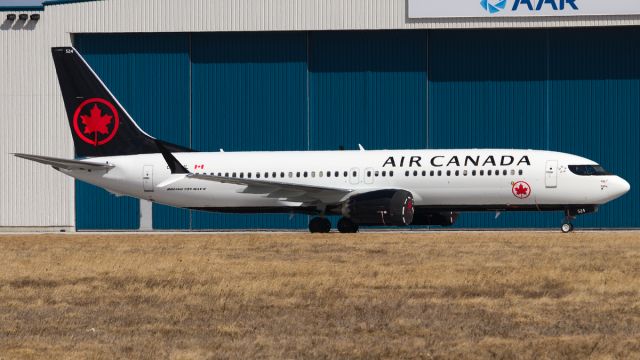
[
  {"x": 282, "y": 190},
  {"x": 66, "y": 164}
]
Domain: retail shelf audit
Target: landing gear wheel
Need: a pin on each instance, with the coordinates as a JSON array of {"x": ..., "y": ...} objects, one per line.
[
  {"x": 319, "y": 225},
  {"x": 567, "y": 228},
  {"x": 346, "y": 226}
]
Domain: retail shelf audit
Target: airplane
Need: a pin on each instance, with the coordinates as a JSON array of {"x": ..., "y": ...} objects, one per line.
[{"x": 364, "y": 187}]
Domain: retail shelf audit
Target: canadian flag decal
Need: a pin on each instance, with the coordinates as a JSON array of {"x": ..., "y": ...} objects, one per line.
[{"x": 200, "y": 166}]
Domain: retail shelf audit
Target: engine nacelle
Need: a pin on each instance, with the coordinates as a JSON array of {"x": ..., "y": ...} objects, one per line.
[
  {"x": 382, "y": 207},
  {"x": 445, "y": 218}
]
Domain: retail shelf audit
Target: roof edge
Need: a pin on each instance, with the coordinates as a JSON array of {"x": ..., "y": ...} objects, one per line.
[{"x": 41, "y": 7}]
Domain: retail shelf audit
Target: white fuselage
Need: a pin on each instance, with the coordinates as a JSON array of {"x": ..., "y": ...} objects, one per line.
[{"x": 457, "y": 179}]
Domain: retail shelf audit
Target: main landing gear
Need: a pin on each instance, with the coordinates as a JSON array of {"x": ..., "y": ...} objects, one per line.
[
  {"x": 347, "y": 226},
  {"x": 322, "y": 225},
  {"x": 319, "y": 225}
]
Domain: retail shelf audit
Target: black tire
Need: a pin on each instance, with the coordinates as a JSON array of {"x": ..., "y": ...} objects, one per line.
[
  {"x": 319, "y": 225},
  {"x": 346, "y": 226},
  {"x": 566, "y": 228}
]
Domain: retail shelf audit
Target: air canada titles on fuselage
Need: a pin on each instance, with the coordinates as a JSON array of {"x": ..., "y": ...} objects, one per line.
[{"x": 455, "y": 160}]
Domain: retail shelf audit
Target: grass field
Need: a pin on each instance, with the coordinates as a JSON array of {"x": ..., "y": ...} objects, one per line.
[{"x": 295, "y": 295}]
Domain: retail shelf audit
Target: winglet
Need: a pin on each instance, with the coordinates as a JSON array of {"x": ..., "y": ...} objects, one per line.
[
  {"x": 174, "y": 165},
  {"x": 360, "y": 146}
]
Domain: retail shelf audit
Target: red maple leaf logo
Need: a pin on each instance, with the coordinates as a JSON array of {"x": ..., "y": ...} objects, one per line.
[
  {"x": 102, "y": 115},
  {"x": 521, "y": 190},
  {"x": 96, "y": 122}
]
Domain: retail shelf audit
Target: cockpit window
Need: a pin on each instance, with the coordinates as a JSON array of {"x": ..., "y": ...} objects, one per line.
[{"x": 588, "y": 170}]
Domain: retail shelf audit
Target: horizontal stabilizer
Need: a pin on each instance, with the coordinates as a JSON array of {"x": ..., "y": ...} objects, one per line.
[{"x": 65, "y": 163}]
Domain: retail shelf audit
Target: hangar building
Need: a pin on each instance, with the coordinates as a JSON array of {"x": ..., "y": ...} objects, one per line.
[{"x": 320, "y": 74}]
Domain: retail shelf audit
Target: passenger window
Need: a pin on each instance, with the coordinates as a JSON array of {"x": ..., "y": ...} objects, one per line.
[
  {"x": 320, "y": 174},
  {"x": 305, "y": 174},
  {"x": 346, "y": 174},
  {"x": 290, "y": 174},
  {"x": 513, "y": 172},
  {"x": 497, "y": 172},
  {"x": 391, "y": 173},
  {"x": 313, "y": 174},
  {"x": 249, "y": 175},
  {"x": 384, "y": 173},
  {"x": 273, "y": 174},
  {"x": 431, "y": 173},
  {"x": 241, "y": 175},
  {"x": 328, "y": 173},
  {"x": 415, "y": 172},
  {"x": 464, "y": 173},
  {"x": 424, "y": 173},
  {"x": 473, "y": 173},
  {"x": 257, "y": 175},
  {"x": 226, "y": 174},
  {"x": 439, "y": 172},
  {"x": 457, "y": 172},
  {"x": 355, "y": 173},
  {"x": 406, "y": 173},
  {"x": 504, "y": 172},
  {"x": 266, "y": 175},
  {"x": 298, "y": 174},
  {"x": 368, "y": 173},
  {"x": 219, "y": 174},
  {"x": 377, "y": 173},
  {"x": 282, "y": 174},
  {"x": 448, "y": 172},
  {"x": 336, "y": 174},
  {"x": 488, "y": 172},
  {"x": 520, "y": 172},
  {"x": 481, "y": 172}
]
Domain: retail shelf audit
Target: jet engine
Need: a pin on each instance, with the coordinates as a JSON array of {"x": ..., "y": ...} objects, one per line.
[
  {"x": 445, "y": 218},
  {"x": 381, "y": 207}
]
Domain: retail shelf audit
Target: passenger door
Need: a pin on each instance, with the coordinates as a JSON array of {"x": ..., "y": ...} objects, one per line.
[
  {"x": 551, "y": 174},
  {"x": 147, "y": 178}
]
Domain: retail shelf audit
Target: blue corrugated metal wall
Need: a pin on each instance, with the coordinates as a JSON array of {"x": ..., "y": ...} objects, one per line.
[
  {"x": 569, "y": 90},
  {"x": 368, "y": 87},
  {"x": 594, "y": 85},
  {"x": 487, "y": 89},
  {"x": 249, "y": 93},
  {"x": 149, "y": 75},
  {"x": 573, "y": 90}
]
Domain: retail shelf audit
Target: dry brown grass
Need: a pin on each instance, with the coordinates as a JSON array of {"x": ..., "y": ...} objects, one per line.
[{"x": 389, "y": 295}]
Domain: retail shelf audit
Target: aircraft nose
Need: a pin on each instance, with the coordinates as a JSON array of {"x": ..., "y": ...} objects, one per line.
[{"x": 621, "y": 186}]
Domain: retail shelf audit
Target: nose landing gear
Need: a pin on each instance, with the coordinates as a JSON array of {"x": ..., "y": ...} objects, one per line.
[{"x": 567, "y": 226}]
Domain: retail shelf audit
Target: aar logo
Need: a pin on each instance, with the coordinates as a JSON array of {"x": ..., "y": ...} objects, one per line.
[
  {"x": 521, "y": 190},
  {"x": 493, "y": 6},
  {"x": 96, "y": 121}
]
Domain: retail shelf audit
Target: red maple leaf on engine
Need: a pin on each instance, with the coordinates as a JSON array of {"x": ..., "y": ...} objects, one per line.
[
  {"x": 521, "y": 190},
  {"x": 96, "y": 122}
]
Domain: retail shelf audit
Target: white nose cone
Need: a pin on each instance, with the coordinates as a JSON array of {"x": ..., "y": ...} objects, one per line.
[{"x": 620, "y": 186}]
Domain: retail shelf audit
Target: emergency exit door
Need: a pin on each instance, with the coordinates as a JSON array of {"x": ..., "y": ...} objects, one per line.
[
  {"x": 147, "y": 178},
  {"x": 551, "y": 174}
]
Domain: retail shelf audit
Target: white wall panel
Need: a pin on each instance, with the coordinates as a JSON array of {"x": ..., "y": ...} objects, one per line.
[{"x": 32, "y": 116}]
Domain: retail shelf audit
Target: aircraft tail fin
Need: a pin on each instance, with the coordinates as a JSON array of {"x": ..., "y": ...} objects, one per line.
[{"x": 100, "y": 126}]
